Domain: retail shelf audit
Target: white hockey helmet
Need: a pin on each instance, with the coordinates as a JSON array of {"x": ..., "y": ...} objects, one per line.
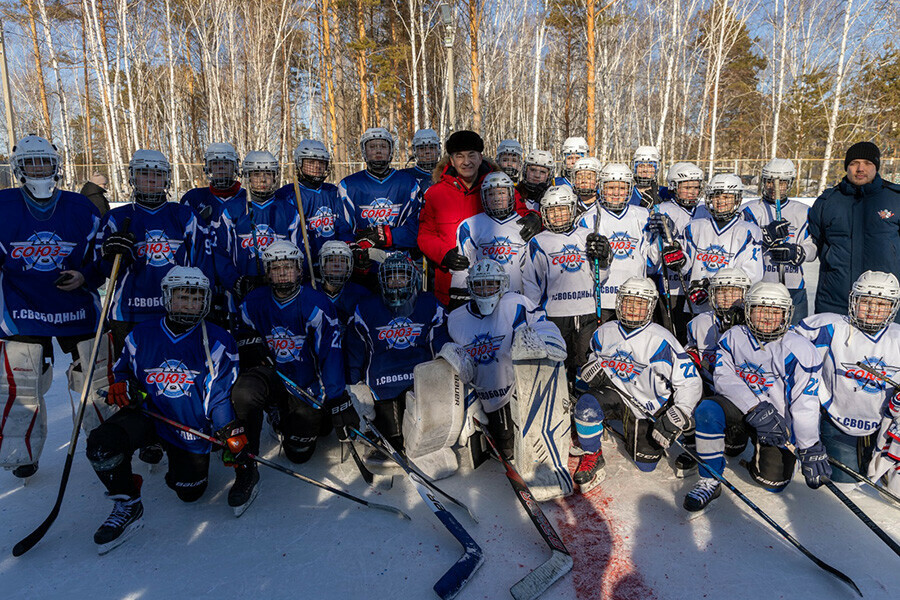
[
  {"x": 426, "y": 144},
  {"x": 377, "y": 133},
  {"x": 638, "y": 311},
  {"x": 573, "y": 149},
  {"x": 426, "y": 137},
  {"x": 398, "y": 278},
  {"x": 35, "y": 163},
  {"x": 510, "y": 155},
  {"x": 498, "y": 195},
  {"x": 221, "y": 164},
  {"x": 680, "y": 176},
  {"x": 282, "y": 250},
  {"x": 487, "y": 282},
  {"x": 870, "y": 316},
  {"x": 778, "y": 173},
  {"x": 766, "y": 325},
  {"x": 730, "y": 282},
  {"x": 723, "y": 196},
  {"x": 537, "y": 158},
  {"x": 589, "y": 183},
  {"x": 187, "y": 310},
  {"x": 645, "y": 155},
  {"x": 150, "y": 175},
  {"x": 616, "y": 197},
  {"x": 555, "y": 197},
  {"x": 335, "y": 262},
  {"x": 261, "y": 161},
  {"x": 312, "y": 150}
]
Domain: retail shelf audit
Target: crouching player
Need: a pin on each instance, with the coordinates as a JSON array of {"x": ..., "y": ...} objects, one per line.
[
  {"x": 634, "y": 366},
  {"x": 182, "y": 368}
]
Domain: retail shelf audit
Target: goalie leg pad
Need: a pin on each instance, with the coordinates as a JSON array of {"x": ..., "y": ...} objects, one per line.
[
  {"x": 435, "y": 411},
  {"x": 23, "y": 417},
  {"x": 96, "y": 411}
]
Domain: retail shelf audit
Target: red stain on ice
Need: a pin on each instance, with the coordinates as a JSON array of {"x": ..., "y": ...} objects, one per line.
[{"x": 603, "y": 567}]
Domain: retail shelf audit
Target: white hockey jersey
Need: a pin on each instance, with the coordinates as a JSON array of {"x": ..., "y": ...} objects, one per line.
[
  {"x": 648, "y": 364},
  {"x": 633, "y": 250},
  {"x": 853, "y": 398},
  {"x": 703, "y": 333},
  {"x": 710, "y": 247},
  {"x": 482, "y": 236},
  {"x": 761, "y": 213},
  {"x": 558, "y": 275},
  {"x": 680, "y": 217},
  {"x": 784, "y": 372},
  {"x": 488, "y": 340}
]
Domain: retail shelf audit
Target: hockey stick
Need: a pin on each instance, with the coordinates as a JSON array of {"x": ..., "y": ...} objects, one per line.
[
  {"x": 721, "y": 479},
  {"x": 684, "y": 286},
  {"x": 597, "y": 286},
  {"x": 863, "y": 479},
  {"x": 28, "y": 542},
  {"x": 778, "y": 218},
  {"x": 540, "y": 579},
  {"x": 665, "y": 277},
  {"x": 408, "y": 464},
  {"x": 301, "y": 394},
  {"x": 448, "y": 586},
  {"x": 312, "y": 277},
  {"x": 277, "y": 467}
]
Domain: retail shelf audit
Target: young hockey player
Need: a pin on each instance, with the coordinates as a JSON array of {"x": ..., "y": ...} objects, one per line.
[
  {"x": 853, "y": 401},
  {"x": 336, "y": 266},
  {"x": 645, "y": 166},
  {"x": 182, "y": 368},
  {"x": 290, "y": 330},
  {"x": 426, "y": 144},
  {"x": 586, "y": 182},
  {"x": 510, "y": 156},
  {"x": 537, "y": 176},
  {"x": 634, "y": 365},
  {"x": 573, "y": 148},
  {"x": 222, "y": 166},
  {"x": 388, "y": 336},
  {"x": 48, "y": 289},
  {"x": 786, "y": 242},
  {"x": 767, "y": 383}
]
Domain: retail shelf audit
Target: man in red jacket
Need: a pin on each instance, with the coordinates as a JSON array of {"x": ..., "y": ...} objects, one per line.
[{"x": 455, "y": 196}]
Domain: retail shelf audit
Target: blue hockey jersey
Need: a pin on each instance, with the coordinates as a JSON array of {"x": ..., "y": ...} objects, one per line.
[
  {"x": 36, "y": 244},
  {"x": 422, "y": 177},
  {"x": 324, "y": 214},
  {"x": 180, "y": 381},
  {"x": 394, "y": 201},
  {"x": 201, "y": 199}
]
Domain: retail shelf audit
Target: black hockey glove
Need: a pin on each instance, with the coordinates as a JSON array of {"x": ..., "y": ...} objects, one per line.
[
  {"x": 119, "y": 243},
  {"x": 658, "y": 222},
  {"x": 787, "y": 254},
  {"x": 698, "y": 291},
  {"x": 673, "y": 256},
  {"x": 377, "y": 236},
  {"x": 246, "y": 284},
  {"x": 343, "y": 416},
  {"x": 597, "y": 248},
  {"x": 361, "y": 261},
  {"x": 814, "y": 465},
  {"x": 234, "y": 437},
  {"x": 671, "y": 424},
  {"x": 770, "y": 426},
  {"x": 454, "y": 261},
  {"x": 531, "y": 225},
  {"x": 776, "y": 232},
  {"x": 592, "y": 373}
]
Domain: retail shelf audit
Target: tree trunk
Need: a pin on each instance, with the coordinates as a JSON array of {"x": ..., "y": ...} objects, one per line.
[
  {"x": 361, "y": 70},
  {"x": 836, "y": 100},
  {"x": 62, "y": 97},
  {"x": 475, "y": 73},
  {"x": 39, "y": 71},
  {"x": 591, "y": 67}
]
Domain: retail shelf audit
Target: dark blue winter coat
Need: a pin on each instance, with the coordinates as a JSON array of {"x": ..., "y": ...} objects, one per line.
[{"x": 856, "y": 229}]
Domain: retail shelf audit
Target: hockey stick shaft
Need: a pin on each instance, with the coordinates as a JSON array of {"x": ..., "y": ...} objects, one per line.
[
  {"x": 684, "y": 287},
  {"x": 215, "y": 441},
  {"x": 877, "y": 375},
  {"x": 862, "y": 516},
  {"x": 597, "y": 285},
  {"x": 667, "y": 313},
  {"x": 778, "y": 218},
  {"x": 306, "y": 247},
  {"x": 863, "y": 479},
  {"x": 28, "y": 542}
]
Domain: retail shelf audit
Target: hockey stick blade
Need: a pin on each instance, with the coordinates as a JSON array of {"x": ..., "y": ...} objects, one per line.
[
  {"x": 366, "y": 473},
  {"x": 538, "y": 581}
]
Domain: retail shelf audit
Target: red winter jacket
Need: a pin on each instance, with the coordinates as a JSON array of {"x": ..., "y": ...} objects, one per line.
[{"x": 447, "y": 203}]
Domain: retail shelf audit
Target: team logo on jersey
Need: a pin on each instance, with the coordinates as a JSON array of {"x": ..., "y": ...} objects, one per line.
[
  {"x": 623, "y": 365},
  {"x": 262, "y": 237},
  {"x": 570, "y": 258},
  {"x": 323, "y": 222},
  {"x": 157, "y": 248},
  {"x": 483, "y": 348},
  {"x": 866, "y": 381},
  {"x": 400, "y": 333},
  {"x": 885, "y": 214},
  {"x": 501, "y": 249},
  {"x": 381, "y": 212},
  {"x": 172, "y": 378},
  {"x": 44, "y": 251},
  {"x": 622, "y": 244},
  {"x": 757, "y": 379},
  {"x": 284, "y": 344},
  {"x": 714, "y": 257}
]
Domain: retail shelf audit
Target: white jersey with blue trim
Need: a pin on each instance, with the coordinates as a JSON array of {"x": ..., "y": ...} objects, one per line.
[
  {"x": 785, "y": 372},
  {"x": 482, "y": 236},
  {"x": 558, "y": 275},
  {"x": 703, "y": 333},
  {"x": 394, "y": 201},
  {"x": 648, "y": 364},
  {"x": 488, "y": 340},
  {"x": 680, "y": 217},
  {"x": 710, "y": 247},
  {"x": 852, "y": 397},
  {"x": 633, "y": 250},
  {"x": 761, "y": 213}
]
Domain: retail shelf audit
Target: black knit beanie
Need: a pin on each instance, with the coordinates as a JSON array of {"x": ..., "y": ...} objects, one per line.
[
  {"x": 464, "y": 141},
  {"x": 865, "y": 151}
]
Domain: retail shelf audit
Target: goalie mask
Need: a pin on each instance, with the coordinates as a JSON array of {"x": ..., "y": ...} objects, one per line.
[
  {"x": 335, "y": 263},
  {"x": 685, "y": 181},
  {"x": 35, "y": 163},
  {"x": 645, "y": 164},
  {"x": 616, "y": 183},
  {"x": 723, "y": 196},
  {"x": 498, "y": 195},
  {"x": 426, "y": 145},
  {"x": 635, "y": 302},
  {"x": 312, "y": 161},
  {"x": 509, "y": 156},
  {"x": 727, "y": 289},
  {"x": 776, "y": 180},
  {"x": 186, "y": 295},
  {"x": 487, "y": 282},
  {"x": 261, "y": 173},
  {"x": 149, "y": 174},
  {"x": 558, "y": 209},
  {"x": 874, "y": 299},
  {"x": 398, "y": 278},
  {"x": 283, "y": 263},
  {"x": 537, "y": 172},
  {"x": 377, "y": 146},
  {"x": 768, "y": 309},
  {"x": 573, "y": 149},
  {"x": 586, "y": 176},
  {"x": 221, "y": 164}
]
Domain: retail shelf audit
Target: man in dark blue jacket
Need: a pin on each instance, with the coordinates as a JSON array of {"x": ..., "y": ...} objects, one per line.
[{"x": 856, "y": 226}]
